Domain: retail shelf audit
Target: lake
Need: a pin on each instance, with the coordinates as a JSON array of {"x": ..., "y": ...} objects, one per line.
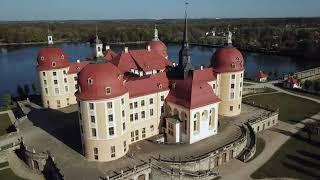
[{"x": 18, "y": 65}]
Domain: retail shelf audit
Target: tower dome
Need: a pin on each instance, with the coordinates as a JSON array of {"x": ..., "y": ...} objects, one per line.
[
  {"x": 100, "y": 81},
  {"x": 52, "y": 58},
  {"x": 157, "y": 45},
  {"x": 227, "y": 59}
]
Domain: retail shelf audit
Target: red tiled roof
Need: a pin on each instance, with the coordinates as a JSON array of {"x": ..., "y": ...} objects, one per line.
[
  {"x": 101, "y": 76},
  {"x": 292, "y": 80},
  {"x": 52, "y": 58},
  {"x": 159, "y": 47},
  {"x": 260, "y": 74},
  {"x": 227, "y": 59},
  {"x": 109, "y": 55},
  {"x": 204, "y": 75},
  {"x": 149, "y": 60},
  {"x": 124, "y": 62},
  {"x": 147, "y": 85},
  {"x": 76, "y": 67},
  {"x": 191, "y": 93}
]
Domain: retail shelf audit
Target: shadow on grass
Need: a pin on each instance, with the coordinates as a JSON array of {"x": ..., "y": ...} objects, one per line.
[
  {"x": 299, "y": 169},
  {"x": 63, "y": 126},
  {"x": 304, "y": 162},
  {"x": 309, "y": 154}
]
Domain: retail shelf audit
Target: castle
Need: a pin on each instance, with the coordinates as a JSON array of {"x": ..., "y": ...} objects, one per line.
[{"x": 132, "y": 95}]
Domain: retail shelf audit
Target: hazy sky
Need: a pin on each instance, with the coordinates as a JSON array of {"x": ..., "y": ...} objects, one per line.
[{"x": 153, "y": 9}]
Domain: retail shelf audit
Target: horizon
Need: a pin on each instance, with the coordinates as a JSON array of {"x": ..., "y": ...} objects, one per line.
[{"x": 59, "y": 10}]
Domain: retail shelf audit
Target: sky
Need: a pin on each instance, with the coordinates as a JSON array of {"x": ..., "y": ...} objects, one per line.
[{"x": 12, "y": 10}]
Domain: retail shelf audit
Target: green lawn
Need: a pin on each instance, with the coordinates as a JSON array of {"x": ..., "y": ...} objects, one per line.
[
  {"x": 304, "y": 94},
  {"x": 292, "y": 109},
  {"x": 4, "y": 123},
  {"x": 297, "y": 158},
  {"x": 7, "y": 174}
]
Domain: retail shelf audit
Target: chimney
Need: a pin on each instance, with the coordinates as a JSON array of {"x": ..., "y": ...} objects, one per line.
[
  {"x": 78, "y": 61},
  {"x": 148, "y": 48},
  {"x": 126, "y": 49},
  {"x": 201, "y": 67},
  {"x": 107, "y": 47},
  {"x": 174, "y": 64}
]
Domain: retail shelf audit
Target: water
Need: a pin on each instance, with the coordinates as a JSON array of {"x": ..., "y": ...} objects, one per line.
[{"x": 18, "y": 65}]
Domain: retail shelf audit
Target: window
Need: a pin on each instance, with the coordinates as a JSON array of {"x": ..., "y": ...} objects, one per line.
[
  {"x": 113, "y": 151},
  {"x": 136, "y": 116},
  {"x": 194, "y": 125},
  {"x": 55, "y": 81},
  {"x": 93, "y": 132},
  {"x": 75, "y": 78},
  {"x": 135, "y": 104},
  {"x": 232, "y": 86},
  {"x": 151, "y": 128},
  {"x": 56, "y": 90},
  {"x": 48, "y": 103},
  {"x": 122, "y": 100},
  {"x": 123, "y": 113},
  {"x": 108, "y": 90},
  {"x": 132, "y": 136},
  {"x": 95, "y": 150},
  {"x": 143, "y": 132},
  {"x": 124, "y": 146},
  {"x": 123, "y": 126},
  {"x": 76, "y": 86},
  {"x": 143, "y": 114},
  {"x": 162, "y": 98},
  {"x": 53, "y": 64},
  {"x": 240, "y": 94},
  {"x": 142, "y": 103},
  {"x": 137, "y": 134},
  {"x": 43, "y": 73},
  {"x": 111, "y": 131},
  {"x": 54, "y": 73},
  {"x": 213, "y": 86},
  {"x": 231, "y": 108},
  {"x": 233, "y": 76},
  {"x": 232, "y": 95},
  {"x": 91, "y": 106},
  {"x": 268, "y": 123},
  {"x": 131, "y": 117},
  {"x": 233, "y": 65},
  {"x": 241, "y": 74},
  {"x": 90, "y": 81},
  {"x": 45, "y": 82},
  {"x": 46, "y": 89},
  {"x": 58, "y": 103},
  {"x": 240, "y": 84},
  {"x": 239, "y": 106},
  {"x": 131, "y": 106},
  {"x": 110, "y": 117},
  {"x": 151, "y": 100},
  {"x": 93, "y": 119},
  {"x": 109, "y": 105},
  {"x": 151, "y": 112},
  {"x": 66, "y": 88},
  {"x": 65, "y": 80},
  {"x": 162, "y": 109}
]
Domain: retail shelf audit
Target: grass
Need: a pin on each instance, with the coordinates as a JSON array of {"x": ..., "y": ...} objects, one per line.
[
  {"x": 4, "y": 164},
  {"x": 304, "y": 94},
  {"x": 247, "y": 84},
  {"x": 8, "y": 174},
  {"x": 4, "y": 123},
  {"x": 297, "y": 158},
  {"x": 259, "y": 148},
  {"x": 292, "y": 109}
]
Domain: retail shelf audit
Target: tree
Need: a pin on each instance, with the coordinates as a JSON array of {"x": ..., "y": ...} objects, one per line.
[
  {"x": 34, "y": 88},
  {"x": 307, "y": 84},
  {"x": 20, "y": 91},
  {"x": 26, "y": 89},
  {"x": 311, "y": 128},
  {"x": 7, "y": 100}
]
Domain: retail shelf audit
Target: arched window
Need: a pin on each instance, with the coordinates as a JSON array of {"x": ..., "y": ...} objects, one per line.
[
  {"x": 42, "y": 58},
  {"x": 211, "y": 118}
]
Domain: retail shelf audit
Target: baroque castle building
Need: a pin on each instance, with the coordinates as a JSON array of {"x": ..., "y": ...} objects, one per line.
[{"x": 133, "y": 95}]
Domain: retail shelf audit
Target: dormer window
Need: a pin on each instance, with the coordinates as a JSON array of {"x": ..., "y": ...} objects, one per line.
[
  {"x": 233, "y": 65},
  {"x": 42, "y": 58},
  {"x": 77, "y": 67},
  {"x": 108, "y": 90},
  {"x": 160, "y": 86},
  {"x": 62, "y": 56},
  {"x": 53, "y": 64},
  {"x": 90, "y": 81}
]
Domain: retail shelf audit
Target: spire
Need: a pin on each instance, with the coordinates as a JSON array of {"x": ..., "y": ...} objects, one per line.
[
  {"x": 98, "y": 45},
  {"x": 50, "y": 38},
  {"x": 229, "y": 37},
  {"x": 184, "y": 53},
  {"x": 156, "y": 35}
]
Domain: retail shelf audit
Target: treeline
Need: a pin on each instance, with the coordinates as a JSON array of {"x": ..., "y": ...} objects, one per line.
[{"x": 293, "y": 34}]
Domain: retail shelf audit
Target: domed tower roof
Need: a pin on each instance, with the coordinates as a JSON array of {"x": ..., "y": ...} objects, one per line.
[
  {"x": 227, "y": 59},
  {"x": 100, "y": 81},
  {"x": 52, "y": 58},
  {"x": 157, "y": 45}
]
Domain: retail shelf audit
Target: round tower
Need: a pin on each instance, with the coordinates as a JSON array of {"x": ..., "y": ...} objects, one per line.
[
  {"x": 102, "y": 99},
  {"x": 158, "y": 46},
  {"x": 52, "y": 67},
  {"x": 228, "y": 63}
]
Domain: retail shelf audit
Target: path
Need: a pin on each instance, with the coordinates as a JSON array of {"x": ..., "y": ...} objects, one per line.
[{"x": 239, "y": 170}]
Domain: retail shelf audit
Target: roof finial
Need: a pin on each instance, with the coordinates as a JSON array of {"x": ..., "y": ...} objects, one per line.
[
  {"x": 156, "y": 34},
  {"x": 229, "y": 37},
  {"x": 50, "y": 38}
]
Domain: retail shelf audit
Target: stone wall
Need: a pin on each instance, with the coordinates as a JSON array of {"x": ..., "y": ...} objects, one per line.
[{"x": 309, "y": 74}]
